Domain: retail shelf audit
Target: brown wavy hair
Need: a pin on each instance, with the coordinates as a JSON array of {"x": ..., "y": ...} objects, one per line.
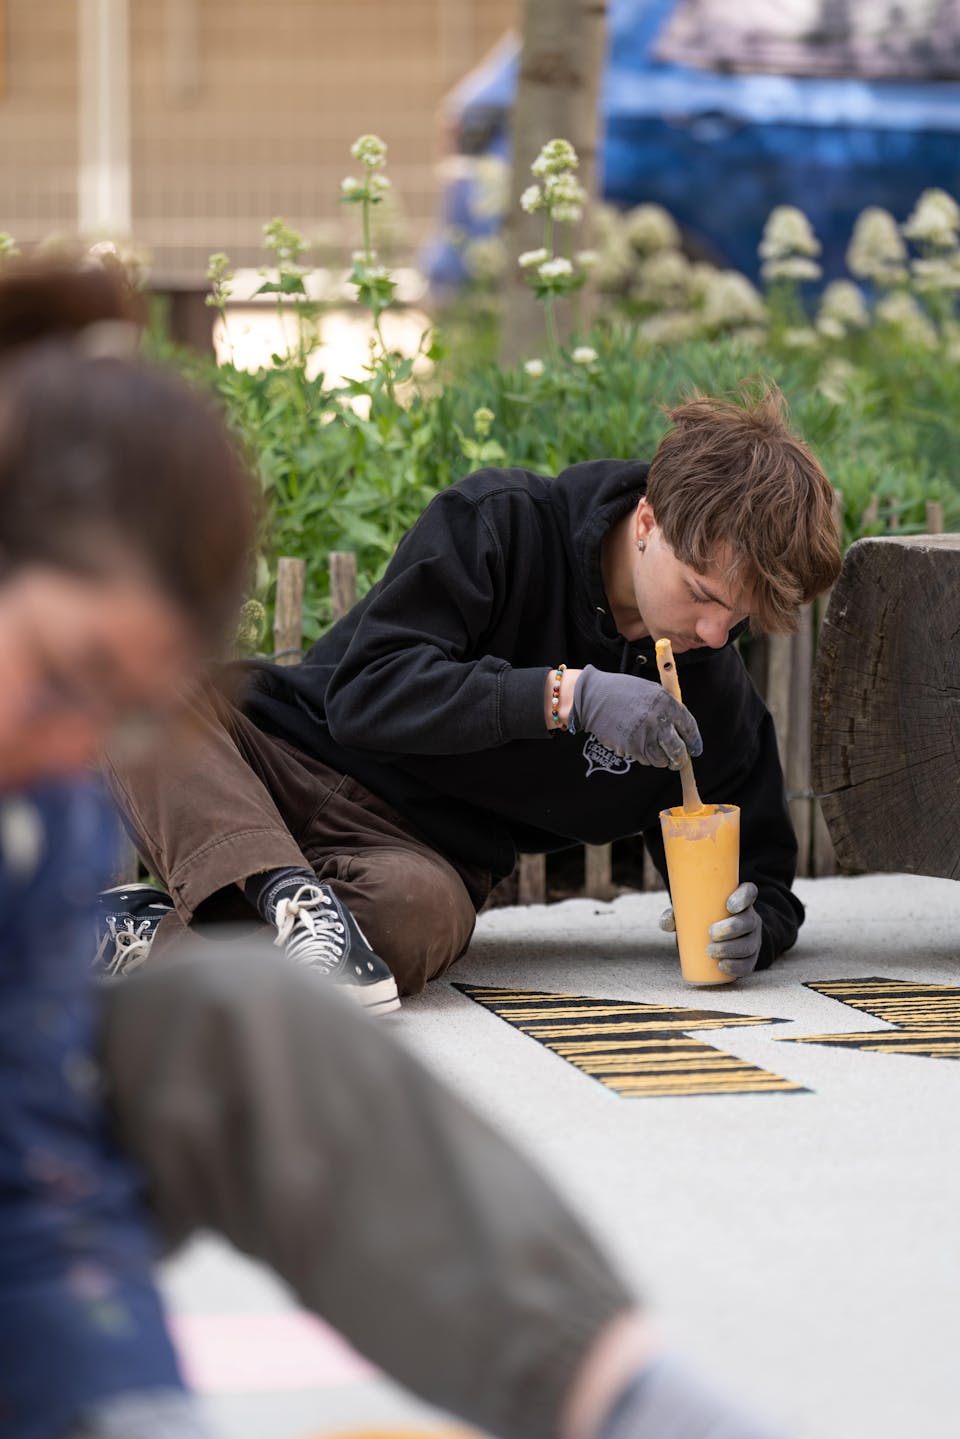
[
  {"x": 107, "y": 460},
  {"x": 732, "y": 475}
]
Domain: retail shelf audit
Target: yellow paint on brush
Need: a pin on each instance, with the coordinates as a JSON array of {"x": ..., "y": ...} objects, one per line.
[{"x": 702, "y": 843}]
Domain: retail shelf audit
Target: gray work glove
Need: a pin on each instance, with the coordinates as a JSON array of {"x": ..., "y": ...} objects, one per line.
[
  {"x": 634, "y": 718},
  {"x": 734, "y": 943}
]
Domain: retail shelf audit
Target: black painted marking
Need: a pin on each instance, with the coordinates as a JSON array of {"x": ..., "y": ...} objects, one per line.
[
  {"x": 637, "y": 1050},
  {"x": 925, "y": 1017}
]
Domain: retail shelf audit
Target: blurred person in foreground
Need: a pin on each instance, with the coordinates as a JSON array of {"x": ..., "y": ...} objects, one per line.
[
  {"x": 496, "y": 691},
  {"x": 108, "y": 600},
  {"x": 255, "y": 1101}
]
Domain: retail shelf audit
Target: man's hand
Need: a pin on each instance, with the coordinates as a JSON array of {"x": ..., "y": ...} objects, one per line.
[
  {"x": 734, "y": 943},
  {"x": 635, "y": 718}
]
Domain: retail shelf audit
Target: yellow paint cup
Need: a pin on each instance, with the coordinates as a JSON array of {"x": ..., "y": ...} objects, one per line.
[{"x": 703, "y": 862}]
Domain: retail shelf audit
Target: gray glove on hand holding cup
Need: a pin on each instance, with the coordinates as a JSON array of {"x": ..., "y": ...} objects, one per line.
[{"x": 634, "y": 718}]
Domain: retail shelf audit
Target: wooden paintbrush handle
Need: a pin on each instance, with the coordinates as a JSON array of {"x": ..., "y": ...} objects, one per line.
[{"x": 670, "y": 680}]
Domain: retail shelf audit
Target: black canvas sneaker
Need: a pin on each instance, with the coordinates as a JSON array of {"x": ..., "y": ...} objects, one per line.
[
  {"x": 127, "y": 920},
  {"x": 314, "y": 929}
]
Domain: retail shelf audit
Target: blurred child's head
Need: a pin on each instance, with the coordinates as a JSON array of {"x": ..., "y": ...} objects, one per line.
[{"x": 127, "y": 519}]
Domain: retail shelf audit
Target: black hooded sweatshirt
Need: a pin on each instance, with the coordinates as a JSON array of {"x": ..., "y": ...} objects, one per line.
[{"x": 430, "y": 692}]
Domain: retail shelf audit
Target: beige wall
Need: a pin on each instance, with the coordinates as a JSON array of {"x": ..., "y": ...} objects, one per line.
[
  {"x": 240, "y": 110},
  {"x": 38, "y": 118}
]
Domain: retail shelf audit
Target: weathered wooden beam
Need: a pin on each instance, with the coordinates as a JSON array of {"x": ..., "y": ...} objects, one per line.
[
  {"x": 343, "y": 582},
  {"x": 652, "y": 879},
  {"x": 598, "y": 871},
  {"x": 797, "y": 766},
  {"x": 934, "y": 517},
  {"x": 532, "y": 879},
  {"x": 288, "y": 610},
  {"x": 886, "y": 752}
]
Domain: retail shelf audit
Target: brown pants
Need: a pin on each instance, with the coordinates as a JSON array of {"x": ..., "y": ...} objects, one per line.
[{"x": 220, "y": 801}]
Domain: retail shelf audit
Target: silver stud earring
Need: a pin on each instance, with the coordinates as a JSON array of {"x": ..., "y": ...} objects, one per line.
[{"x": 641, "y": 545}]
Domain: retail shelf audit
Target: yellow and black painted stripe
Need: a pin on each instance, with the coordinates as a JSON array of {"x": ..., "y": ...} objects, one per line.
[
  {"x": 637, "y": 1050},
  {"x": 926, "y": 1017}
]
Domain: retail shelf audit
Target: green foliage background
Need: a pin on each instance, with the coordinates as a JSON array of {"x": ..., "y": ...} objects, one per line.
[
  {"x": 333, "y": 479},
  {"x": 871, "y": 373}
]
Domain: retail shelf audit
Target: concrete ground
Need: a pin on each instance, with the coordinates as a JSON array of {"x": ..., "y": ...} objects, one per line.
[{"x": 803, "y": 1245}]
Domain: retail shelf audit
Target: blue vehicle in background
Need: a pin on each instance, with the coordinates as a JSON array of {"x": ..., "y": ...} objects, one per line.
[{"x": 720, "y": 148}]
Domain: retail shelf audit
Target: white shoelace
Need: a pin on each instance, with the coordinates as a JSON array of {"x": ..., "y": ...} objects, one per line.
[
  {"x": 131, "y": 946},
  {"x": 321, "y": 939}
]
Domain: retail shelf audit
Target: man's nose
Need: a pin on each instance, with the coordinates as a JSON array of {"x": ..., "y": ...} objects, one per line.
[{"x": 713, "y": 630}]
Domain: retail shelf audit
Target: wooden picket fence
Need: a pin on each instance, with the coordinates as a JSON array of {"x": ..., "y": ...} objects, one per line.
[{"x": 780, "y": 665}]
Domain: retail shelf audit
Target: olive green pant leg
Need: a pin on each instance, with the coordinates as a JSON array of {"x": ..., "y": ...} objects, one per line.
[{"x": 262, "y": 1106}]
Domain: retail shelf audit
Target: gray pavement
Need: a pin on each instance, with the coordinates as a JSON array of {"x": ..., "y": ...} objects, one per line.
[{"x": 804, "y": 1247}]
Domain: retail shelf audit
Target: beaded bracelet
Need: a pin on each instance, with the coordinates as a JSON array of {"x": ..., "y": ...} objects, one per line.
[{"x": 555, "y": 697}]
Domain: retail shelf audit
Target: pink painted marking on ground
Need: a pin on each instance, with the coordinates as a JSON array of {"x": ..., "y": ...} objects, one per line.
[{"x": 248, "y": 1353}]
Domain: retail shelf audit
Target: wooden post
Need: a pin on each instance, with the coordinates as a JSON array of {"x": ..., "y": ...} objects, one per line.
[
  {"x": 532, "y": 879},
  {"x": 824, "y": 856},
  {"x": 288, "y": 611},
  {"x": 779, "y": 667},
  {"x": 598, "y": 871},
  {"x": 651, "y": 875},
  {"x": 343, "y": 582},
  {"x": 104, "y": 205},
  {"x": 798, "y": 737},
  {"x": 934, "y": 517},
  {"x": 887, "y": 728},
  {"x": 871, "y": 514},
  {"x": 557, "y": 95}
]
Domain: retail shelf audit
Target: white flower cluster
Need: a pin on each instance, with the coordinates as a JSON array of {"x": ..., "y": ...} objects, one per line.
[
  {"x": 937, "y": 272},
  {"x": 730, "y": 301},
  {"x": 556, "y": 269},
  {"x": 902, "y": 311},
  {"x": 565, "y": 198},
  {"x": 670, "y": 327},
  {"x": 220, "y": 273},
  {"x": 934, "y": 221},
  {"x": 664, "y": 279},
  {"x": 534, "y": 368},
  {"x": 876, "y": 251},
  {"x": 584, "y": 355},
  {"x": 485, "y": 258},
  {"x": 370, "y": 274},
  {"x": 561, "y": 194},
  {"x": 650, "y": 228},
  {"x": 836, "y": 380},
  {"x": 799, "y": 337},
  {"x": 530, "y": 258},
  {"x": 370, "y": 150},
  {"x": 555, "y": 157},
  {"x": 531, "y": 199},
  {"x": 372, "y": 154},
  {"x": 842, "y": 310},
  {"x": 788, "y": 246}
]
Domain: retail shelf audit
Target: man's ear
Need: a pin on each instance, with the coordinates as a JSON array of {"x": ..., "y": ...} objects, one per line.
[{"x": 643, "y": 520}]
